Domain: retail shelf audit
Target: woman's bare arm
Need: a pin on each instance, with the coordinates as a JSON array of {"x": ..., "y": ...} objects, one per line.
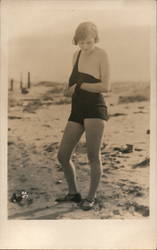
[{"x": 104, "y": 85}]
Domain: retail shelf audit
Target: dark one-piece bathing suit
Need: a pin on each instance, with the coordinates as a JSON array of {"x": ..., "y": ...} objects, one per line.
[{"x": 85, "y": 104}]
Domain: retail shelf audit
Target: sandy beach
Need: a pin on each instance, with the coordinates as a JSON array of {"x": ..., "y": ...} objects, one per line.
[{"x": 36, "y": 124}]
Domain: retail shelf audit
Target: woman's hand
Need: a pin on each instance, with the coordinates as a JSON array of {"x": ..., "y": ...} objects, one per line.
[{"x": 69, "y": 91}]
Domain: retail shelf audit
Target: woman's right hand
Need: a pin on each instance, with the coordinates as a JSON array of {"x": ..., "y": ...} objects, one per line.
[{"x": 69, "y": 91}]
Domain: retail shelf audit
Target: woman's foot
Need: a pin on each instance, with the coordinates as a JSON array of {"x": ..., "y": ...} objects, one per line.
[
  {"x": 87, "y": 204},
  {"x": 70, "y": 197}
]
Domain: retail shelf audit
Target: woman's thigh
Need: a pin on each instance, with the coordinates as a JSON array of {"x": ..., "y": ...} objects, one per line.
[
  {"x": 72, "y": 133},
  {"x": 94, "y": 130}
]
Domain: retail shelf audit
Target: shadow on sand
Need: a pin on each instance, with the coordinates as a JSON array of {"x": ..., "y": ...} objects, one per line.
[{"x": 51, "y": 212}]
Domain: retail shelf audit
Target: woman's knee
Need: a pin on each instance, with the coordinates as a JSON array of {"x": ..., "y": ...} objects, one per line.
[
  {"x": 63, "y": 157},
  {"x": 95, "y": 164},
  {"x": 94, "y": 157}
]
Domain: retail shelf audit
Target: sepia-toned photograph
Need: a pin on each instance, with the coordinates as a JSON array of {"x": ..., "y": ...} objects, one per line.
[
  {"x": 79, "y": 80},
  {"x": 78, "y": 124}
]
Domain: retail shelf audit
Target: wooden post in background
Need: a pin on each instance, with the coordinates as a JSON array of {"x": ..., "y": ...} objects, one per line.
[
  {"x": 12, "y": 84},
  {"x": 29, "y": 80},
  {"x": 21, "y": 83}
]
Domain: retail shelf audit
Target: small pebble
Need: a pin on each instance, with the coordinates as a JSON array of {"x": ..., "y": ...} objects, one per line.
[{"x": 59, "y": 182}]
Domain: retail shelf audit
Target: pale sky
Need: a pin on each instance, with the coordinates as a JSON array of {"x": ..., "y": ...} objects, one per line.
[
  {"x": 33, "y": 16},
  {"x": 40, "y": 34}
]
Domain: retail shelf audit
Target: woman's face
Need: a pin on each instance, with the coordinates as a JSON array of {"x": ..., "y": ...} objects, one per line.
[{"x": 87, "y": 45}]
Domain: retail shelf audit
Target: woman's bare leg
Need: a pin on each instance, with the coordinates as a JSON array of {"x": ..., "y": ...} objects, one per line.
[
  {"x": 72, "y": 134},
  {"x": 94, "y": 129}
]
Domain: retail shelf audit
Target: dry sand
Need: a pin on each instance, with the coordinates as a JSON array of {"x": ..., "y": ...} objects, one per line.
[{"x": 36, "y": 124}]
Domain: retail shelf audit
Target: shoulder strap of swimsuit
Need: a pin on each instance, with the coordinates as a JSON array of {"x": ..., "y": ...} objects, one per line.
[{"x": 78, "y": 56}]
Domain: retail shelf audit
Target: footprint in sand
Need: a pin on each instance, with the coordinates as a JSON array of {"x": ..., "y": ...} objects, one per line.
[
  {"x": 11, "y": 143},
  {"x": 138, "y": 149},
  {"x": 23, "y": 179},
  {"x": 142, "y": 164},
  {"x": 116, "y": 212},
  {"x": 106, "y": 170},
  {"x": 143, "y": 210},
  {"x": 141, "y": 107},
  {"x": 83, "y": 163},
  {"x": 133, "y": 190}
]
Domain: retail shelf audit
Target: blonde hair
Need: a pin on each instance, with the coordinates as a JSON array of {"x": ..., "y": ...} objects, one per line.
[{"x": 83, "y": 30}]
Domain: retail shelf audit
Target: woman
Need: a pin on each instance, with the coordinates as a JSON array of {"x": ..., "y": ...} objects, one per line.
[{"x": 88, "y": 80}]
